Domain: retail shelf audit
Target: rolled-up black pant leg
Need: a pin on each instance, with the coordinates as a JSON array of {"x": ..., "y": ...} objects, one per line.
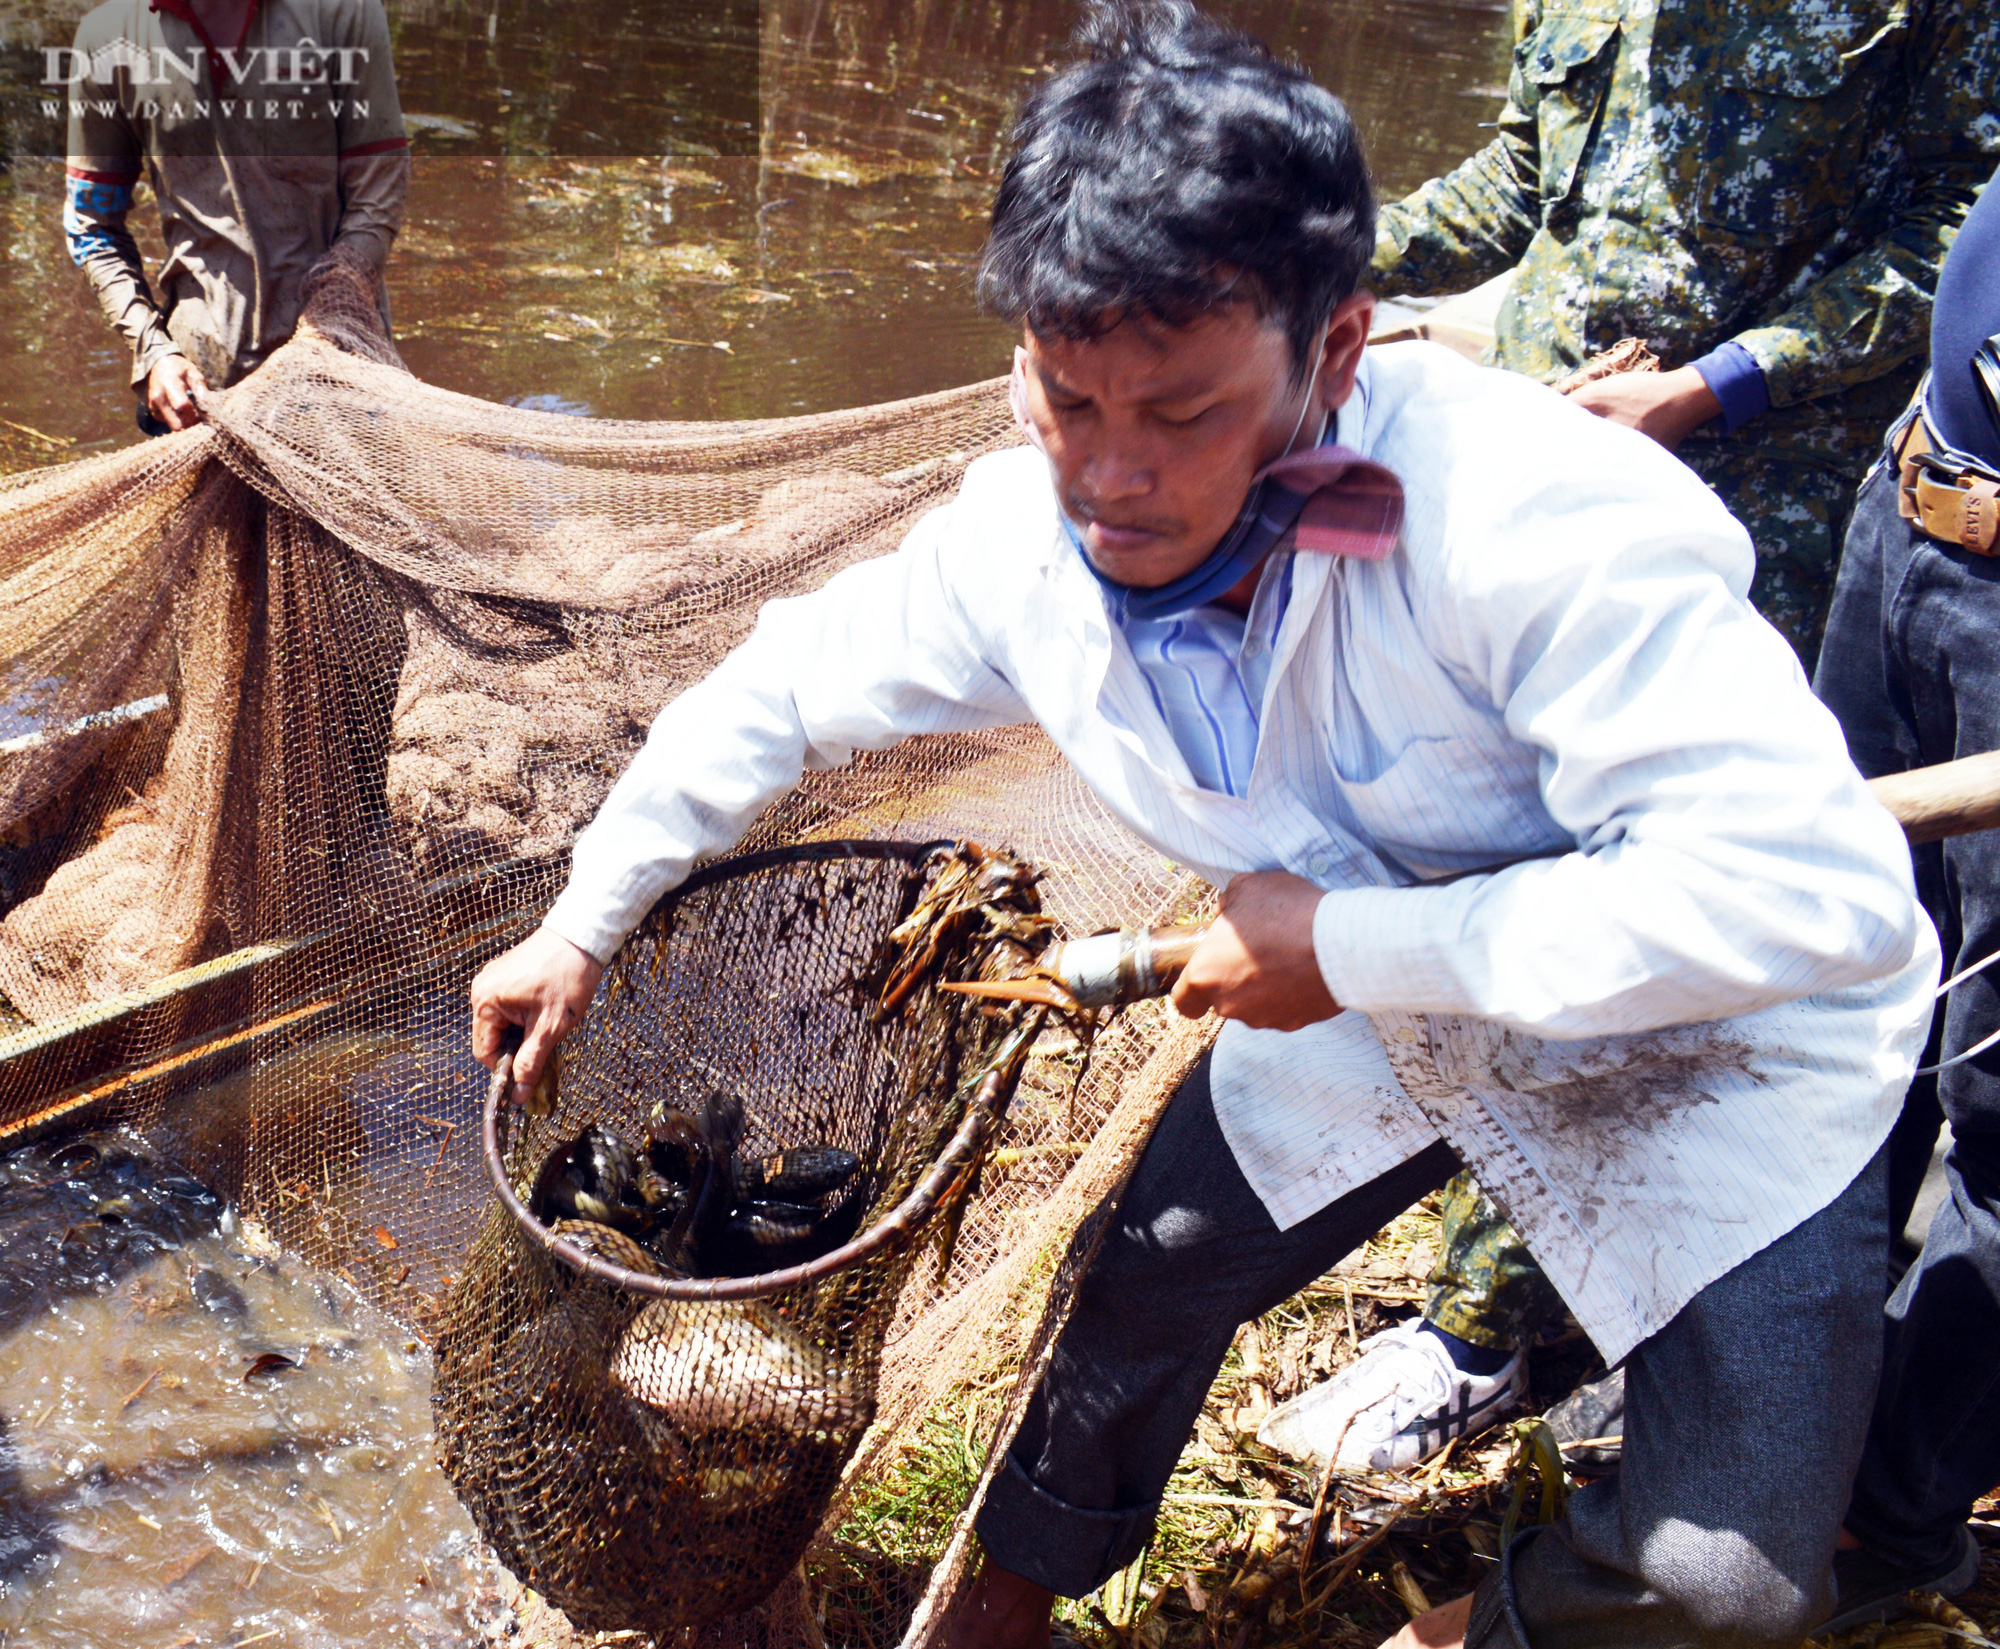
[
  {"x": 1744, "y": 1421},
  {"x": 1191, "y": 1255}
]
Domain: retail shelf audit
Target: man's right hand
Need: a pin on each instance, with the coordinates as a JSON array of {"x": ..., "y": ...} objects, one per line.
[
  {"x": 170, "y": 391},
  {"x": 543, "y": 984}
]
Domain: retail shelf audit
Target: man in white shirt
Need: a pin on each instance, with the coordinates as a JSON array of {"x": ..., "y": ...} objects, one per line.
[{"x": 1346, "y": 631}]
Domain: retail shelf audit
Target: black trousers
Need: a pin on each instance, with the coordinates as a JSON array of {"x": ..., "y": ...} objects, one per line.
[
  {"x": 1744, "y": 1416},
  {"x": 1911, "y": 666}
]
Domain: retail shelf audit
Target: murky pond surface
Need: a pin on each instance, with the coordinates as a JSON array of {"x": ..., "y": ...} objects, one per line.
[
  {"x": 206, "y": 1441},
  {"x": 826, "y": 262}
]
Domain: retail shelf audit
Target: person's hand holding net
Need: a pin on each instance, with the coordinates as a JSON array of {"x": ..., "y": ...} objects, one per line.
[{"x": 543, "y": 985}]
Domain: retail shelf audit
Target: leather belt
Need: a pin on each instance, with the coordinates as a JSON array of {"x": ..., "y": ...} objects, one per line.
[{"x": 1961, "y": 509}]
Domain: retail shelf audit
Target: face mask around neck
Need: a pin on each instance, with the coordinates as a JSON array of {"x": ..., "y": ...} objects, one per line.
[{"x": 1328, "y": 499}]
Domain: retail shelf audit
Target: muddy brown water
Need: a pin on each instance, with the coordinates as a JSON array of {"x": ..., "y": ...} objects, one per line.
[
  {"x": 150, "y": 1496},
  {"x": 825, "y": 263},
  {"x": 205, "y": 1440}
]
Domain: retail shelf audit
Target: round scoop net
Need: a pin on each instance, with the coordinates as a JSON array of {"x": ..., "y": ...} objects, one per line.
[{"x": 645, "y": 1453}]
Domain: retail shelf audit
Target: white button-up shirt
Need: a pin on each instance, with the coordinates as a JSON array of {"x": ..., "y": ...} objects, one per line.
[{"x": 1660, "y": 1048}]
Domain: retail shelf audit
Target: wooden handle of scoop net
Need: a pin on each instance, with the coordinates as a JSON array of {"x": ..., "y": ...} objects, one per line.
[
  {"x": 1107, "y": 969},
  {"x": 1950, "y": 799}
]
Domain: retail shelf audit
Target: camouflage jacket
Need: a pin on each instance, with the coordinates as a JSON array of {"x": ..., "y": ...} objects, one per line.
[{"x": 1787, "y": 173}]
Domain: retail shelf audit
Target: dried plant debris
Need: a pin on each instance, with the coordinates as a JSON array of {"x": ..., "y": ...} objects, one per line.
[
  {"x": 1253, "y": 1551},
  {"x": 1626, "y": 355},
  {"x": 982, "y": 906}
]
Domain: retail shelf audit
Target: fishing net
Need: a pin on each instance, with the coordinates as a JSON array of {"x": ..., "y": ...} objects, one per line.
[
  {"x": 703, "y": 1408},
  {"x": 299, "y": 714}
]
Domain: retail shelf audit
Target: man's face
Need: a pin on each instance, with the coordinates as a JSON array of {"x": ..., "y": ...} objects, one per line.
[{"x": 1155, "y": 432}]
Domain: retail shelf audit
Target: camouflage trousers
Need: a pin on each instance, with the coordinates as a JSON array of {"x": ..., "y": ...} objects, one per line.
[
  {"x": 1796, "y": 513},
  {"x": 1486, "y": 1286}
]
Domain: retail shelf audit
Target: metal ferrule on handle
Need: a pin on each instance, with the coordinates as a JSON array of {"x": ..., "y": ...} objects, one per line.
[{"x": 1130, "y": 965}]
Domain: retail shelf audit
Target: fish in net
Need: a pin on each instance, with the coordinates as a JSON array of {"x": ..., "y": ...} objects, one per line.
[
  {"x": 299, "y": 711},
  {"x": 646, "y": 1417}
]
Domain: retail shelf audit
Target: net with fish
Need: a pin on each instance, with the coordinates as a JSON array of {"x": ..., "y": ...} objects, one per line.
[
  {"x": 300, "y": 713},
  {"x": 653, "y": 1439}
]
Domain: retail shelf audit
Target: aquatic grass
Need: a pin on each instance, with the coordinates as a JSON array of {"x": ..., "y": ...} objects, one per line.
[{"x": 905, "y": 1511}]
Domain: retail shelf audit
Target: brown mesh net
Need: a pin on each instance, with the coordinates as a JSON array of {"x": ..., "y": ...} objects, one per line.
[
  {"x": 300, "y": 713},
  {"x": 766, "y": 1039}
]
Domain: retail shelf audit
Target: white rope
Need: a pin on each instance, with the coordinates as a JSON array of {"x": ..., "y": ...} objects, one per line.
[
  {"x": 1959, "y": 1059},
  {"x": 1967, "y": 973},
  {"x": 1977, "y": 1047}
]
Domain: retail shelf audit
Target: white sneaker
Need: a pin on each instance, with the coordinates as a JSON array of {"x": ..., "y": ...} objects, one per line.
[{"x": 1400, "y": 1402}]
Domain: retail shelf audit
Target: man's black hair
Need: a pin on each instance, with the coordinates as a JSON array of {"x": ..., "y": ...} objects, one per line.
[{"x": 1176, "y": 165}]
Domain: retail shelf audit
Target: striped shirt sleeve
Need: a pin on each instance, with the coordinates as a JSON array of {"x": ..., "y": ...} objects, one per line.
[
  {"x": 1728, "y": 856},
  {"x": 883, "y": 651}
]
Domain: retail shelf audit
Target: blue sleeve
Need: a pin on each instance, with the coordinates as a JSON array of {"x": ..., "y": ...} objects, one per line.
[
  {"x": 1736, "y": 380},
  {"x": 94, "y": 208}
]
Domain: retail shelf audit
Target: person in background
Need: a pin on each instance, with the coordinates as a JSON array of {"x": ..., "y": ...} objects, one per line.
[
  {"x": 1763, "y": 191},
  {"x": 1912, "y": 670},
  {"x": 272, "y": 136}
]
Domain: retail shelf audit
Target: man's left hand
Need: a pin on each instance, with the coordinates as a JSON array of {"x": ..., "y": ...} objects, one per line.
[
  {"x": 1665, "y": 405},
  {"x": 1257, "y": 963}
]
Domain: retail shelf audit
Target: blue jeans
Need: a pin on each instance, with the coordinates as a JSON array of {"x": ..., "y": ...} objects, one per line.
[{"x": 1911, "y": 666}]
